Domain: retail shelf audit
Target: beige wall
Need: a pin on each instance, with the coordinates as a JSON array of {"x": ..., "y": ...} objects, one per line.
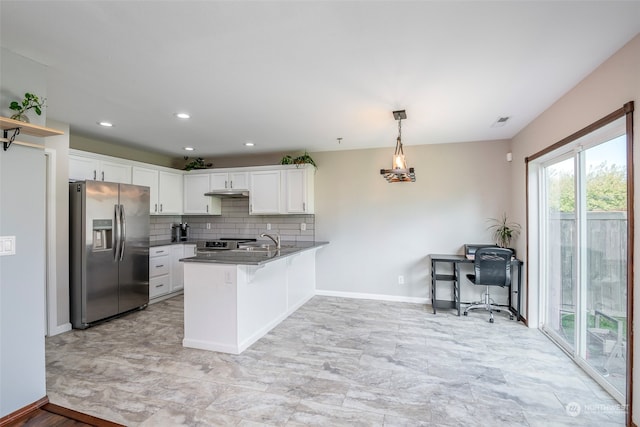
[
  {"x": 379, "y": 231},
  {"x": 611, "y": 85},
  {"x": 109, "y": 149},
  {"x": 58, "y": 292}
]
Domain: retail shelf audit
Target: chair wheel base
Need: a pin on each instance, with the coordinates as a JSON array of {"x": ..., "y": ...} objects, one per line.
[
  {"x": 491, "y": 320},
  {"x": 511, "y": 317},
  {"x": 465, "y": 313}
]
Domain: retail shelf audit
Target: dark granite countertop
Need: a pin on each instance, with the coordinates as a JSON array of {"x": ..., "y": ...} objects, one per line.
[
  {"x": 167, "y": 242},
  {"x": 253, "y": 257}
]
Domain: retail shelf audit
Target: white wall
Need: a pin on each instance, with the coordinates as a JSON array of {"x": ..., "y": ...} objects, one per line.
[
  {"x": 611, "y": 85},
  {"x": 379, "y": 231}
]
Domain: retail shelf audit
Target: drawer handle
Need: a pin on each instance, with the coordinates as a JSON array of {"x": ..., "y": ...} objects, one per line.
[
  {"x": 159, "y": 286},
  {"x": 159, "y": 265},
  {"x": 159, "y": 252}
]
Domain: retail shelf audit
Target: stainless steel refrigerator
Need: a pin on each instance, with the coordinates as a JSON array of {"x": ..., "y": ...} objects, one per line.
[{"x": 109, "y": 250}]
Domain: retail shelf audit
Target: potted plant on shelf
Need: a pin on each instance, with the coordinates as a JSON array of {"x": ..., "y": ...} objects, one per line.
[
  {"x": 300, "y": 160},
  {"x": 504, "y": 231},
  {"x": 30, "y": 101}
]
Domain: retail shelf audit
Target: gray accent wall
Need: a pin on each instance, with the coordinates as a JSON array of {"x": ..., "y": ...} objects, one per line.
[
  {"x": 22, "y": 276},
  {"x": 22, "y": 359}
]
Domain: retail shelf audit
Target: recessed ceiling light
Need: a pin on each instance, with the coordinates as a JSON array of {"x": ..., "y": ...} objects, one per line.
[
  {"x": 249, "y": 144},
  {"x": 106, "y": 124},
  {"x": 189, "y": 148},
  {"x": 183, "y": 116}
]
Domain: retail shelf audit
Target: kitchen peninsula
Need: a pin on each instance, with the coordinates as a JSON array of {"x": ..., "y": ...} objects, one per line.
[{"x": 233, "y": 298}]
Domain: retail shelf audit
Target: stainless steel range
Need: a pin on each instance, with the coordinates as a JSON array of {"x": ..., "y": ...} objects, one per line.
[{"x": 223, "y": 244}]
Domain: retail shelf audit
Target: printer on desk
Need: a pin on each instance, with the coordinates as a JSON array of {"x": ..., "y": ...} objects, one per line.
[{"x": 471, "y": 248}]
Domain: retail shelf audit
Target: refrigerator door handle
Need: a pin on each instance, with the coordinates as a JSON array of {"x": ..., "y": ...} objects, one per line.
[
  {"x": 116, "y": 250},
  {"x": 123, "y": 229}
]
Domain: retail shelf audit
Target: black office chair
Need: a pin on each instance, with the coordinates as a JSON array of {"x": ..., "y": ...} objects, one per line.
[{"x": 492, "y": 267}]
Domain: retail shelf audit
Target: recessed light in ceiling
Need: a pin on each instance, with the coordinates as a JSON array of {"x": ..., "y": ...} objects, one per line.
[
  {"x": 106, "y": 124},
  {"x": 189, "y": 148},
  {"x": 249, "y": 144},
  {"x": 182, "y": 115},
  {"x": 501, "y": 121}
]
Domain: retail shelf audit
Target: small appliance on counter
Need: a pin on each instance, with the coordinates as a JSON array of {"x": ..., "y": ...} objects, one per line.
[
  {"x": 223, "y": 244},
  {"x": 180, "y": 232}
]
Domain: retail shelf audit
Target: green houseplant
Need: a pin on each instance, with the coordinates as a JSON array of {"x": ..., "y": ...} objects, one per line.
[
  {"x": 503, "y": 230},
  {"x": 197, "y": 163},
  {"x": 30, "y": 101},
  {"x": 300, "y": 160}
]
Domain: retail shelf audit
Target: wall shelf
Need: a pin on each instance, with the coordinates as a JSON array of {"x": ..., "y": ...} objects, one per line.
[{"x": 8, "y": 125}]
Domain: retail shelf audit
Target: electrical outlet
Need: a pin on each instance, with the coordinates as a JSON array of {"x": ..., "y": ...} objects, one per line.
[
  {"x": 208, "y": 226},
  {"x": 303, "y": 226},
  {"x": 400, "y": 280},
  {"x": 268, "y": 226}
]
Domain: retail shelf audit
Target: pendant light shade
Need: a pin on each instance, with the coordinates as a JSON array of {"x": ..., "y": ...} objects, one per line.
[{"x": 399, "y": 171}]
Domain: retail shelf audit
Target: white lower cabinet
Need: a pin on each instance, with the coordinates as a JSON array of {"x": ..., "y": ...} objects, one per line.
[
  {"x": 177, "y": 268},
  {"x": 166, "y": 272},
  {"x": 159, "y": 268}
]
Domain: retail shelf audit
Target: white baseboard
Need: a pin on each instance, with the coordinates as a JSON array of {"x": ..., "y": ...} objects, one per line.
[
  {"x": 60, "y": 329},
  {"x": 379, "y": 297}
]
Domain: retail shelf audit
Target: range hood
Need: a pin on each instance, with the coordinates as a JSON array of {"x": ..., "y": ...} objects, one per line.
[{"x": 230, "y": 192}]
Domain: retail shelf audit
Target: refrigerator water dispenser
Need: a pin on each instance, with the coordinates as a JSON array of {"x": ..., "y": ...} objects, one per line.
[{"x": 102, "y": 235}]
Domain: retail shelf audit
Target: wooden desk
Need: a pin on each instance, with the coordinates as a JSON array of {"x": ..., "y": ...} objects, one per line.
[{"x": 454, "y": 262}]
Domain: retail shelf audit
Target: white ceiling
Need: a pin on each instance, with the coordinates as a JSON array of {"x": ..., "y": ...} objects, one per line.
[{"x": 290, "y": 76}]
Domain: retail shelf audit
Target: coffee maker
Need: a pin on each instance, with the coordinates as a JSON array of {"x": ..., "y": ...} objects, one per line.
[{"x": 180, "y": 232}]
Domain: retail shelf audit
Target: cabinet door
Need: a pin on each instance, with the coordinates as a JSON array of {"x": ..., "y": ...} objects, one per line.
[
  {"x": 195, "y": 202},
  {"x": 148, "y": 178},
  {"x": 219, "y": 181},
  {"x": 115, "y": 172},
  {"x": 264, "y": 192},
  {"x": 239, "y": 180},
  {"x": 296, "y": 193},
  {"x": 177, "y": 268},
  {"x": 189, "y": 250},
  {"x": 170, "y": 193},
  {"x": 82, "y": 168}
]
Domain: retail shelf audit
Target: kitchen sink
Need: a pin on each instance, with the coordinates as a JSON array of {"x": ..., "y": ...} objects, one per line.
[{"x": 261, "y": 248}]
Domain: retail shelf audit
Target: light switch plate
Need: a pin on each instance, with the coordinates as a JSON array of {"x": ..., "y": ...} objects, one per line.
[{"x": 7, "y": 245}]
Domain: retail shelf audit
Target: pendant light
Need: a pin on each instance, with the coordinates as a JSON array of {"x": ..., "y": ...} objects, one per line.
[{"x": 399, "y": 171}]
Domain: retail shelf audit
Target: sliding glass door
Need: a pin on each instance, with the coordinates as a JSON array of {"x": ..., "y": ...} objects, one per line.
[
  {"x": 583, "y": 223},
  {"x": 560, "y": 239}
]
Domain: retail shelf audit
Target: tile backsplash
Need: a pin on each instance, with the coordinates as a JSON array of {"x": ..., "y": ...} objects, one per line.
[{"x": 235, "y": 221}]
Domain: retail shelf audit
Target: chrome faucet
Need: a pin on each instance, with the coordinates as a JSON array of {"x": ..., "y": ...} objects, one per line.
[{"x": 276, "y": 240}]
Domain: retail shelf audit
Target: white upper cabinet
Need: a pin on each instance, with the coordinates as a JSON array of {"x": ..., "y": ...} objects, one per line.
[
  {"x": 166, "y": 189},
  {"x": 265, "y": 190},
  {"x": 170, "y": 193},
  {"x": 299, "y": 194},
  {"x": 149, "y": 178},
  {"x": 195, "y": 202},
  {"x": 229, "y": 181},
  {"x": 83, "y": 168}
]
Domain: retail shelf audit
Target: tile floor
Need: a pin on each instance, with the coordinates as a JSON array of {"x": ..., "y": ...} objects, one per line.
[{"x": 333, "y": 362}]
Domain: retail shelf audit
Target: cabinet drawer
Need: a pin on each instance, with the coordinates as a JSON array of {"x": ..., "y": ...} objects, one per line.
[
  {"x": 159, "y": 250},
  {"x": 158, "y": 286},
  {"x": 159, "y": 266}
]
